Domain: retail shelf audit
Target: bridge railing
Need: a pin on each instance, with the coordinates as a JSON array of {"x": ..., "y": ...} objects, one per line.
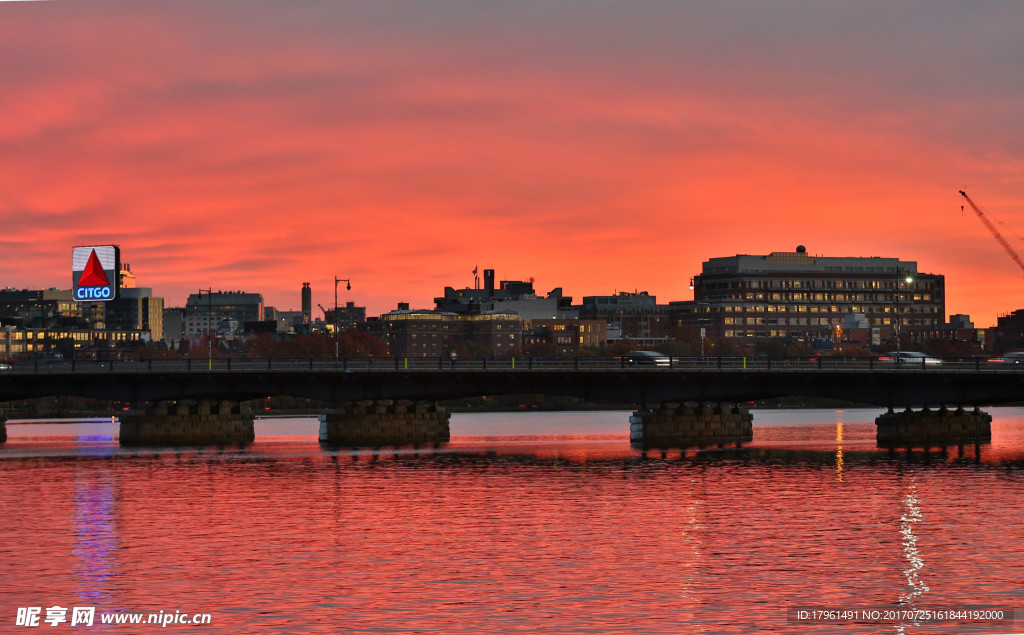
[{"x": 434, "y": 364}]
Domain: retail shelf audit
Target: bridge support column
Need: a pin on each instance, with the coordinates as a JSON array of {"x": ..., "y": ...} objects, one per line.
[
  {"x": 384, "y": 423},
  {"x": 188, "y": 425},
  {"x": 672, "y": 425},
  {"x": 931, "y": 426},
  {"x": 3, "y": 429}
]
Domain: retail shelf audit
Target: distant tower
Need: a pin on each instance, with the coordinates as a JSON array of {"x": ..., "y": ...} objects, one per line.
[
  {"x": 307, "y": 303},
  {"x": 489, "y": 282}
]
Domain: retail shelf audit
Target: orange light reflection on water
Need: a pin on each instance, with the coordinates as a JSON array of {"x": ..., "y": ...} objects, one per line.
[{"x": 507, "y": 534}]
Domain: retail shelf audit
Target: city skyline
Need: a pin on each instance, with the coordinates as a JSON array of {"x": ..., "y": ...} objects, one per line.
[
  {"x": 480, "y": 283},
  {"x": 596, "y": 148}
]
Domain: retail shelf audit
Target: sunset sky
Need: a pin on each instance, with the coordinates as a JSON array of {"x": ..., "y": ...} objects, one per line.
[{"x": 596, "y": 146}]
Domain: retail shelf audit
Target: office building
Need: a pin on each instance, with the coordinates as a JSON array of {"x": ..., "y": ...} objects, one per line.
[
  {"x": 40, "y": 308},
  {"x": 66, "y": 342},
  {"x": 798, "y": 296},
  {"x": 636, "y": 317},
  {"x": 205, "y": 311},
  {"x": 174, "y": 327},
  {"x": 136, "y": 310},
  {"x": 422, "y": 333},
  {"x": 566, "y": 336},
  {"x": 349, "y": 316}
]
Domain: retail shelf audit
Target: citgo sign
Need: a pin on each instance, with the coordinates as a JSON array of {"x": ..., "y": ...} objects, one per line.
[{"x": 94, "y": 273}]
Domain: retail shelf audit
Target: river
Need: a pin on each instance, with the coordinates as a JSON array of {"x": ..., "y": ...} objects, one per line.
[{"x": 525, "y": 522}]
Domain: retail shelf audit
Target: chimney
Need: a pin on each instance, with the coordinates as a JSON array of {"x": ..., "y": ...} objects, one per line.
[{"x": 307, "y": 303}]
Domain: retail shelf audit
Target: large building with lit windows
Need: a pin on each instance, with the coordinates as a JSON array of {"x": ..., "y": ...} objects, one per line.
[
  {"x": 798, "y": 296},
  {"x": 423, "y": 333}
]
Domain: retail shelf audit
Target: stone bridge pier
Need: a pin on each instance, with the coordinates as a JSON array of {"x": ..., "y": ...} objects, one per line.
[
  {"x": 933, "y": 426},
  {"x": 384, "y": 423},
  {"x": 180, "y": 424},
  {"x": 675, "y": 425}
]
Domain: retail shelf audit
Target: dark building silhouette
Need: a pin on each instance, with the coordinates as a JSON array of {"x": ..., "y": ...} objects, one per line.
[
  {"x": 1008, "y": 333},
  {"x": 510, "y": 296},
  {"x": 307, "y": 303}
]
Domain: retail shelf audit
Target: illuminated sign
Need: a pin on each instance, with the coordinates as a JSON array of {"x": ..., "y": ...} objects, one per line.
[{"x": 94, "y": 273}]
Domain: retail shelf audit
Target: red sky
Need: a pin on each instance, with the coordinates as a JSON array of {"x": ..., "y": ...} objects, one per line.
[{"x": 596, "y": 146}]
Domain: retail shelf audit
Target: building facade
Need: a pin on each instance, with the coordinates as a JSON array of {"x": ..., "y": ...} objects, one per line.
[
  {"x": 348, "y": 317},
  {"x": 205, "y": 311},
  {"x": 1008, "y": 333},
  {"x": 630, "y": 316},
  {"x": 420, "y": 333},
  {"x": 66, "y": 343},
  {"x": 798, "y": 296},
  {"x": 137, "y": 310},
  {"x": 41, "y": 307},
  {"x": 566, "y": 336},
  {"x": 50, "y": 323}
]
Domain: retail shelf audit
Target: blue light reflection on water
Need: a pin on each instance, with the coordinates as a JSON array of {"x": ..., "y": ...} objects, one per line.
[
  {"x": 96, "y": 534},
  {"x": 540, "y": 522}
]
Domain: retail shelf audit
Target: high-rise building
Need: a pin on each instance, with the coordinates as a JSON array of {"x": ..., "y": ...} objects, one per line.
[{"x": 137, "y": 310}]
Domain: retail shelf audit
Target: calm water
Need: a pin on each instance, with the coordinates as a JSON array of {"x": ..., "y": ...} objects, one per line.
[{"x": 524, "y": 523}]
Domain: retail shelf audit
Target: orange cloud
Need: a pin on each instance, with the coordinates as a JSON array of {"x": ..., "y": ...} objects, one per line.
[{"x": 260, "y": 146}]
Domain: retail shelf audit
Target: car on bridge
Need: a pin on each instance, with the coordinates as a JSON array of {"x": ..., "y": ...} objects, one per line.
[
  {"x": 910, "y": 359},
  {"x": 647, "y": 358},
  {"x": 1009, "y": 358}
]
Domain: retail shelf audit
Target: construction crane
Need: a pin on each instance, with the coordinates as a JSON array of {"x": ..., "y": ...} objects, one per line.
[{"x": 995, "y": 232}]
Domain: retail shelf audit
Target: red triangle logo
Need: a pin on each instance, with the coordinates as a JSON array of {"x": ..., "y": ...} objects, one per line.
[{"x": 93, "y": 274}]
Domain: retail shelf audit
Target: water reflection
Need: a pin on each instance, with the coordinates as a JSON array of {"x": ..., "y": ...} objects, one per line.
[
  {"x": 95, "y": 535},
  {"x": 518, "y": 533},
  {"x": 908, "y": 539},
  {"x": 839, "y": 450}
]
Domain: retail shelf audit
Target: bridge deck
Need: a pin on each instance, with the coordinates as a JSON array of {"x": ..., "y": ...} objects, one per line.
[
  {"x": 960, "y": 381},
  {"x": 971, "y": 364}
]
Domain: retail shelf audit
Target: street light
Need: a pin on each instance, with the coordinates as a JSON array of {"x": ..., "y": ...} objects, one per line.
[
  {"x": 909, "y": 280},
  {"x": 209, "y": 296},
  {"x": 701, "y": 308},
  {"x": 348, "y": 287}
]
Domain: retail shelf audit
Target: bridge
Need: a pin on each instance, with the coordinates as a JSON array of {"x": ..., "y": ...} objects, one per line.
[{"x": 960, "y": 381}]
